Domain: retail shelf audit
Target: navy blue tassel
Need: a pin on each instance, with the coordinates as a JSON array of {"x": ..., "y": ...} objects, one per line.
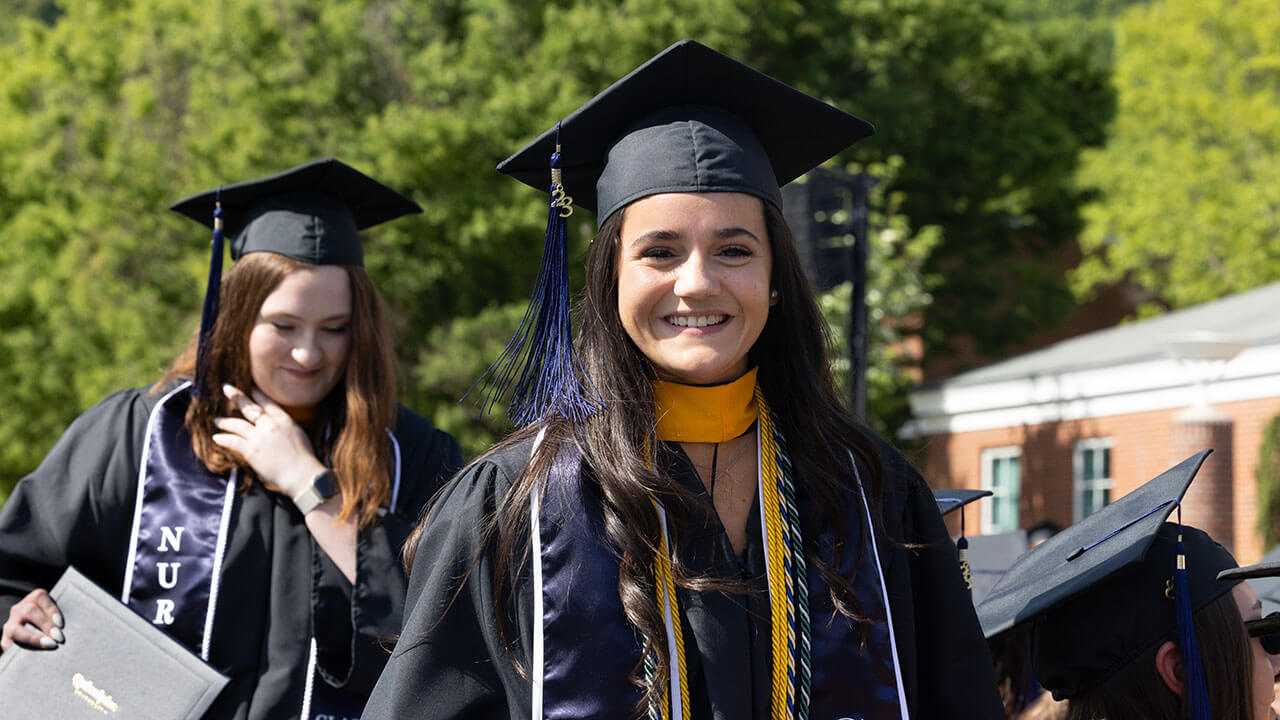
[
  {"x": 200, "y": 388},
  {"x": 1197, "y": 691},
  {"x": 538, "y": 369}
]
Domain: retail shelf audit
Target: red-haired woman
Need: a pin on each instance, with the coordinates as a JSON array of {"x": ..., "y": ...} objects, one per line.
[{"x": 254, "y": 502}]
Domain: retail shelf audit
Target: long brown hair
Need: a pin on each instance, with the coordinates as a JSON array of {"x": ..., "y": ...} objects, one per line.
[
  {"x": 356, "y": 413},
  {"x": 794, "y": 373},
  {"x": 1137, "y": 690}
]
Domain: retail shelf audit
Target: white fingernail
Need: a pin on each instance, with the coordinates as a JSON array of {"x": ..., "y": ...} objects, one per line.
[
  {"x": 47, "y": 642},
  {"x": 57, "y": 620},
  {"x": 57, "y": 635},
  {"x": 227, "y": 390}
]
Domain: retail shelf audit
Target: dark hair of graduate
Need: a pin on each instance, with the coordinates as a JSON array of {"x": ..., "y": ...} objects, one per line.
[
  {"x": 615, "y": 443},
  {"x": 359, "y": 409},
  {"x": 1137, "y": 690}
]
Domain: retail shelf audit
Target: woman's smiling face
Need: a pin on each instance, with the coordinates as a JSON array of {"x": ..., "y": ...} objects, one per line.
[
  {"x": 298, "y": 346},
  {"x": 693, "y": 282}
]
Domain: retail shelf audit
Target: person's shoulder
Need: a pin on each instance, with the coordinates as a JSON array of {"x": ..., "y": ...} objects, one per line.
[
  {"x": 482, "y": 486},
  {"x": 409, "y": 422},
  {"x": 902, "y": 488},
  {"x": 413, "y": 429},
  {"x": 504, "y": 462},
  {"x": 897, "y": 468},
  {"x": 129, "y": 403}
]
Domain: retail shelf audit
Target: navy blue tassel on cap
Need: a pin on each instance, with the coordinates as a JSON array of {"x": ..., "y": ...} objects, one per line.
[
  {"x": 200, "y": 388},
  {"x": 538, "y": 369},
  {"x": 1198, "y": 707}
]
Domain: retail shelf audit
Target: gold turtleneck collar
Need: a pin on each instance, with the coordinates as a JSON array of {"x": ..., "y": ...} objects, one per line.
[{"x": 705, "y": 414}]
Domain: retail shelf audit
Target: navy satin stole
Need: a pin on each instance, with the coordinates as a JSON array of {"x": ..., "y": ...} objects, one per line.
[
  {"x": 179, "y": 530},
  {"x": 180, "y": 527}
]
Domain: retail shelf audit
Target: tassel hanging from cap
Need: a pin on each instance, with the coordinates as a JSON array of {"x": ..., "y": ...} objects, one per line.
[
  {"x": 538, "y": 369},
  {"x": 209, "y": 315},
  {"x": 962, "y": 554},
  {"x": 1197, "y": 690}
]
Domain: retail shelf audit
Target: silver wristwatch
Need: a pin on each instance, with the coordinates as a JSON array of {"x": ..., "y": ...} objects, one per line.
[{"x": 320, "y": 489}]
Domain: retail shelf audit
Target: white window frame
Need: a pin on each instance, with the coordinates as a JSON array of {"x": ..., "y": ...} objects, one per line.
[
  {"x": 989, "y": 455},
  {"x": 1077, "y": 473}
]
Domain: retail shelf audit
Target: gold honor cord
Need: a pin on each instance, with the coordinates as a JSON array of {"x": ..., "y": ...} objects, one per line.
[
  {"x": 666, "y": 587},
  {"x": 782, "y": 612}
]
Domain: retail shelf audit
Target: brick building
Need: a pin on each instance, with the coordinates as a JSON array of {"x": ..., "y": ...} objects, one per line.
[{"x": 1059, "y": 432}]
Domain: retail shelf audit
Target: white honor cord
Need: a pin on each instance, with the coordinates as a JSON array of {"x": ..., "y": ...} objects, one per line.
[
  {"x": 884, "y": 591},
  {"x": 535, "y": 545},
  {"x": 673, "y": 649},
  {"x": 395, "y": 480},
  {"x": 215, "y": 583},
  {"x": 311, "y": 678}
]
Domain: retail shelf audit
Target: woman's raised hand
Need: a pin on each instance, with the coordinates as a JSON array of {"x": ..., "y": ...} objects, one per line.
[
  {"x": 269, "y": 440},
  {"x": 33, "y": 622}
]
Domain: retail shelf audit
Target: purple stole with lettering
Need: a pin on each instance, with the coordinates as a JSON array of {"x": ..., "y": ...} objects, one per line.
[
  {"x": 585, "y": 649},
  {"x": 180, "y": 525}
]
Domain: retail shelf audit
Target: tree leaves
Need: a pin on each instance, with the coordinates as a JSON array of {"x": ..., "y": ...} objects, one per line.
[
  {"x": 117, "y": 108},
  {"x": 1188, "y": 206}
]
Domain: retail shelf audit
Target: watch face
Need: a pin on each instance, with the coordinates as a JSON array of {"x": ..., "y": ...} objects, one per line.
[{"x": 324, "y": 484}]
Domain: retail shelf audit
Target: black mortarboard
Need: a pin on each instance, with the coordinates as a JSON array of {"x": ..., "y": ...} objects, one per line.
[
  {"x": 950, "y": 499},
  {"x": 1106, "y": 589},
  {"x": 311, "y": 213},
  {"x": 1249, "y": 572},
  {"x": 688, "y": 120},
  {"x": 1264, "y": 577}
]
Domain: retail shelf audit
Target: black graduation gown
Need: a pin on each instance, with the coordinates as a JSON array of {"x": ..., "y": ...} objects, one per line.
[
  {"x": 450, "y": 663},
  {"x": 278, "y": 587}
]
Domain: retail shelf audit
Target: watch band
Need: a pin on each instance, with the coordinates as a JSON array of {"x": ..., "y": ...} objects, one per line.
[{"x": 319, "y": 490}]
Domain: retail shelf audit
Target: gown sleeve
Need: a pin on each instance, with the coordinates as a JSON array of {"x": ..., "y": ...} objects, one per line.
[
  {"x": 353, "y": 626},
  {"x": 947, "y": 664},
  {"x": 76, "y": 507},
  {"x": 451, "y": 660}
]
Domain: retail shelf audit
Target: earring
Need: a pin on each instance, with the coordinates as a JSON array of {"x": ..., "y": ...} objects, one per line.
[{"x": 773, "y": 297}]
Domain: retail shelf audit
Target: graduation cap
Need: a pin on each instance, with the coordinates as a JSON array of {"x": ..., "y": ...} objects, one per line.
[
  {"x": 1117, "y": 583},
  {"x": 1265, "y": 579},
  {"x": 950, "y": 499},
  {"x": 688, "y": 120},
  {"x": 311, "y": 213}
]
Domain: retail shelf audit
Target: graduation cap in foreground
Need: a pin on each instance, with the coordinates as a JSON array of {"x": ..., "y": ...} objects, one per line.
[
  {"x": 1115, "y": 584},
  {"x": 311, "y": 213},
  {"x": 688, "y": 120},
  {"x": 950, "y": 499}
]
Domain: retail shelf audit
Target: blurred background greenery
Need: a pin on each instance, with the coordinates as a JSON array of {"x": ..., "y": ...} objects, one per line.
[{"x": 1032, "y": 153}]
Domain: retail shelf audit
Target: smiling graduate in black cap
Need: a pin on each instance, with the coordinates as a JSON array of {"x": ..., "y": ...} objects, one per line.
[
  {"x": 1127, "y": 617},
  {"x": 689, "y": 525},
  {"x": 253, "y": 503}
]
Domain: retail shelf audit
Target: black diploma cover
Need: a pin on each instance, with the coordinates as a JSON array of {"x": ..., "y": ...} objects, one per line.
[{"x": 114, "y": 664}]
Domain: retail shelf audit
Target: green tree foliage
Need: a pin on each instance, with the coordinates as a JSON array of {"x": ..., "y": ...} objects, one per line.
[
  {"x": 99, "y": 287},
  {"x": 1268, "y": 474},
  {"x": 1188, "y": 207}
]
